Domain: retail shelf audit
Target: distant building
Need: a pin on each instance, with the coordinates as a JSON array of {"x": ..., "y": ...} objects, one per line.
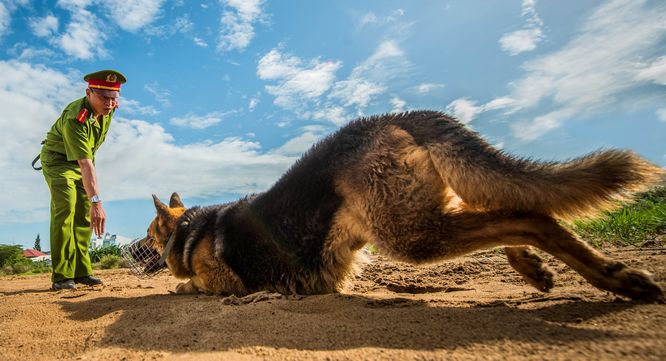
[
  {"x": 32, "y": 253},
  {"x": 108, "y": 240},
  {"x": 36, "y": 256},
  {"x": 104, "y": 241}
]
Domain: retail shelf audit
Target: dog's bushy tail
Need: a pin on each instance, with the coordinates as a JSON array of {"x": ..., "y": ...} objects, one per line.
[{"x": 486, "y": 178}]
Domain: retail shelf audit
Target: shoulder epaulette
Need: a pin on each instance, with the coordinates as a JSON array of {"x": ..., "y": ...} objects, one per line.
[{"x": 83, "y": 115}]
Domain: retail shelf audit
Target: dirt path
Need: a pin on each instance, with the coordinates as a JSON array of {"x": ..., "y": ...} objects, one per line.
[{"x": 469, "y": 308}]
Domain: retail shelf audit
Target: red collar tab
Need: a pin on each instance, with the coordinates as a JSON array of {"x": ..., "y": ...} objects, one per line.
[{"x": 83, "y": 115}]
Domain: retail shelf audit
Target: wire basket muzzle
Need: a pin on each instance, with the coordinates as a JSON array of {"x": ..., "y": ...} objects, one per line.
[{"x": 142, "y": 258}]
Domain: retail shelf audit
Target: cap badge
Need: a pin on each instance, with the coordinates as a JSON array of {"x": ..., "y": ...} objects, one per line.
[{"x": 111, "y": 78}]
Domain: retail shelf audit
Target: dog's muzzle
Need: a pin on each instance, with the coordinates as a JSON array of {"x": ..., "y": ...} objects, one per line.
[{"x": 142, "y": 258}]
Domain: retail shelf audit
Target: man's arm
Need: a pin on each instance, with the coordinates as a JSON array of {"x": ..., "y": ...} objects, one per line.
[{"x": 97, "y": 214}]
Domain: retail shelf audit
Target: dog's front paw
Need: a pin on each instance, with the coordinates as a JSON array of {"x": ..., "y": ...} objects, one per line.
[
  {"x": 541, "y": 278},
  {"x": 532, "y": 268},
  {"x": 186, "y": 288}
]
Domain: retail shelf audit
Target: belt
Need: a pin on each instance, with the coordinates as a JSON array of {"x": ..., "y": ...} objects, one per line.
[
  {"x": 37, "y": 158},
  {"x": 35, "y": 161}
]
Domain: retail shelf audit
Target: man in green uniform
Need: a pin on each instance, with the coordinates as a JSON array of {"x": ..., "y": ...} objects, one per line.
[{"x": 68, "y": 162}]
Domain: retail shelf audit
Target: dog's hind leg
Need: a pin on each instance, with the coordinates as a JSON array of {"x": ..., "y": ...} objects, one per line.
[
  {"x": 543, "y": 232},
  {"x": 601, "y": 271},
  {"x": 530, "y": 266},
  {"x": 429, "y": 240}
]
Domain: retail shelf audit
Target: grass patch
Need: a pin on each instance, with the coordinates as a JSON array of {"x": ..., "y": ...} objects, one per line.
[
  {"x": 644, "y": 219},
  {"x": 96, "y": 254},
  {"x": 109, "y": 261},
  {"x": 372, "y": 249}
]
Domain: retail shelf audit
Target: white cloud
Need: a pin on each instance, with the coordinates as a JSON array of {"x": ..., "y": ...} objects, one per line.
[
  {"x": 464, "y": 110},
  {"x": 232, "y": 165},
  {"x": 661, "y": 114},
  {"x": 498, "y": 103},
  {"x": 424, "y": 88},
  {"x": 194, "y": 121},
  {"x": 311, "y": 90},
  {"x": 583, "y": 77},
  {"x": 74, "y": 4},
  {"x": 525, "y": 39},
  {"x": 300, "y": 144},
  {"x": 385, "y": 50},
  {"x": 44, "y": 27},
  {"x": 5, "y": 19},
  {"x": 334, "y": 114},
  {"x": 521, "y": 41},
  {"x": 296, "y": 82},
  {"x": 129, "y": 106},
  {"x": 132, "y": 15},
  {"x": 387, "y": 62},
  {"x": 237, "y": 30},
  {"x": 253, "y": 104},
  {"x": 81, "y": 38},
  {"x": 369, "y": 18},
  {"x": 372, "y": 18},
  {"x": 27, "y": 80},
  {"x": 367, "y": 80},
  {"x": 529, "y": 11},
  {"x": 39, "y": 93},
  {"x": 356, "y": 92},
  {"x": 200, "y": 42},
  {"x": 655, "y": 72},
  {"x": 7, "y": 7},
  {"x": 28, "y": 54},
  {"x": 531, "y": 130},
  {"x": 181, "y": 24},
  {"x": 398, "y": 105},
  {"x": 398, "y": 12},
  {"x": 162, "y": 95},
  {"x": 275, "y": 65}
]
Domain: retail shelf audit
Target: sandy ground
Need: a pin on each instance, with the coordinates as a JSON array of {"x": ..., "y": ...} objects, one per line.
[{"x": 469, "y": 308}]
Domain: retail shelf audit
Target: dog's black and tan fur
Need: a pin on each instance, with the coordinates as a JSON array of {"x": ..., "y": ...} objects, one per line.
[{"x": 421, "y": 187}]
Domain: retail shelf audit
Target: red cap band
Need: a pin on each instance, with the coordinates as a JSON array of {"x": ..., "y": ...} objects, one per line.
[{"x": 101, "y": 84}]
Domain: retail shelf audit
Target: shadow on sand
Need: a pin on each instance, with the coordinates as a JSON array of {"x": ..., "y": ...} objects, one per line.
[{"x": 333, "y": 322}]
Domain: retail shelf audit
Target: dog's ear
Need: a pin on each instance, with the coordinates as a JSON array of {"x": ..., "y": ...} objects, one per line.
[
  {"x": 175, "y": 201},
  {"x": 162, "y": 209}
]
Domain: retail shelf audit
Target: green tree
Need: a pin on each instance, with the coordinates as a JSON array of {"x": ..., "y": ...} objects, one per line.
[
  {"x": 38, "y": 245},
  {"x": 10, "y": 254}
]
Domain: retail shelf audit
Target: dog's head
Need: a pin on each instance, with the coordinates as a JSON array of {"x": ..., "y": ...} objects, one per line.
[
  {"x": 165, "y": 222},
  {"x": 158, "y": 234}
]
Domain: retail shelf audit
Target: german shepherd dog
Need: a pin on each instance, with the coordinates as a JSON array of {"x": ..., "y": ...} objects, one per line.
[{"x": 422, "y": 188}]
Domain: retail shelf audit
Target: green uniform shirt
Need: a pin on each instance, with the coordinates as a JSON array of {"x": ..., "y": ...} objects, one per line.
[{"x": 74, "y": 139}]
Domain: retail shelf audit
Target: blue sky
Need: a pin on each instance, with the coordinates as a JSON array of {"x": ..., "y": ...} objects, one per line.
[{"x": 223, "y": 96}]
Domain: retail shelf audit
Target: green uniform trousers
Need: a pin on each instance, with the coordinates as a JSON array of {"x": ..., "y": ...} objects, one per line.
[{"x": 70, "y": 217}]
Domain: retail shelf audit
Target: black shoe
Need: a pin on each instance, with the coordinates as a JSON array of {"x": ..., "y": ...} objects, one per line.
[
  {"x": 89, "y": 280},
  {"x": 63, "y": 285}
]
